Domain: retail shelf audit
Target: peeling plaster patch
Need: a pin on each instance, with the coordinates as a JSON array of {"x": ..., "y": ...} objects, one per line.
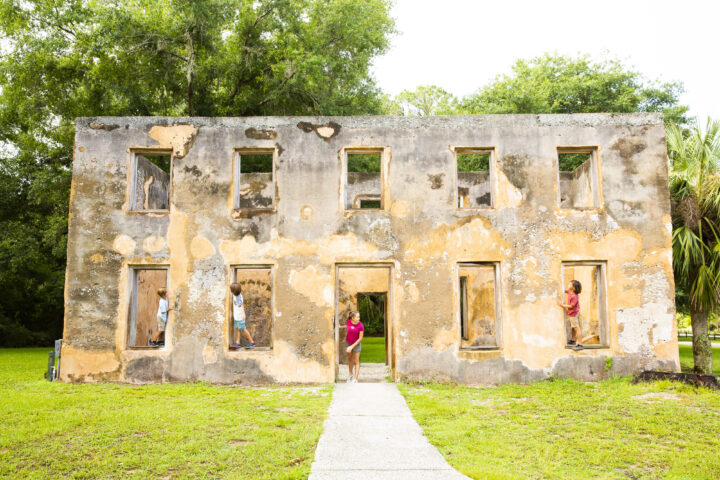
[
  {"x": 207, "y": 287},
  {"x": 508, "y": 194},
  {"x": 88, "y": 364},
  {"x": 124, "y": 245},
  {"x": 380, "y": 232},
  {"x": 201, "y": 248},
  {"x": 97, "y": 258},
  {"x": 209, "y": 354},
  {"x": 413, "y": 294},
  {"x": 178, "y": 137},
  {"x": 260, "y": 134},
  {"x": 313, "y": 284},
  {"x": 531, "y": 298},
  {"x": 306, "y": 212},
  {"x": 537, "y": 340},
  {"x": 103, "y": 126},
  {"x": 153, "y": 244},
  {"x": 326, "y": 132},
  {"x": 635, "y": 323},
  {"x": 399, "y": 209},
  {"x": 435, "y": 180},
  {"x": 284, "y": 355}
]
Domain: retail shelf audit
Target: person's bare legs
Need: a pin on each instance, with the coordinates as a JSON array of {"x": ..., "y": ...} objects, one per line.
[
  {"x": 578, "y": 335},
  {"x": 247, "y": 334},
  {"x": 351, "y": 363},
  {"x": 237, "y": 337},
  {"x": 357, "y": 365}
]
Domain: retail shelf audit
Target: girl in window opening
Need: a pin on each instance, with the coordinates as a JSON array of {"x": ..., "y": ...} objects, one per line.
[
  {"x": 355, "y": 332},
  {"x": 239, "y": 317},
  {"x": 573, "y": 311}
]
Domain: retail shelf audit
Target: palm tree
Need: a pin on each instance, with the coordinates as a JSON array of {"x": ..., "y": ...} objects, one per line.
[{"x": 695, "y": 191}]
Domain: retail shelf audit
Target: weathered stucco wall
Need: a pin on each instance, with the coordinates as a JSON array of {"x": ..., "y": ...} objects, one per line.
[{"x": 420, "y": 233}]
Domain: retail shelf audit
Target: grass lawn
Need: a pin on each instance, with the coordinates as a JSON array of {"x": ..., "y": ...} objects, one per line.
[
  {"x": 687, "y": 363},
  {"x": 170, "y": 431},
  {"x": 373, "y": 350},
  {"x": 565, "y": 429}
]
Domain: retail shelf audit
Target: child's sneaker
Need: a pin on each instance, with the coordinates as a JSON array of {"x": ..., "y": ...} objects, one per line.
[
  {"x": 235, "y": 345},
  {"x": 571, "y": 342},
  {"x": 250, "y": 345},
  {"x": 349, "y": 379},
  {"x": 578, "y": 347}
]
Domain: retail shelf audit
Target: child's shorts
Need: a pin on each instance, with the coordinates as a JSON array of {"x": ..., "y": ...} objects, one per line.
[
  {"x": 357, "y": 347},
  {"x": 574, "y": 323},
  {"x": 160, "y": 324},
  {"x": 239, "y": 324}
]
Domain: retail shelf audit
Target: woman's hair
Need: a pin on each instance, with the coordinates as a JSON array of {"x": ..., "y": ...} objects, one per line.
[
  {"x": 576, "y": 286},
  {"x": 235, "y": 288},
  {"x": 352, "y": 313},
  {"x": 162, "y": 291}
]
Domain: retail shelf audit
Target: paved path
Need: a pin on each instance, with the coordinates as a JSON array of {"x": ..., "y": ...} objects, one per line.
[{"x": 370, "y": 433}]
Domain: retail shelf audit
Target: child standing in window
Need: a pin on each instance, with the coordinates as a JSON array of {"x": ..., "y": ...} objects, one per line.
[
  {"x": 573, "y": 313},
  {"x": 239, "y": 317},
  {"x": 162, "y": 316}
]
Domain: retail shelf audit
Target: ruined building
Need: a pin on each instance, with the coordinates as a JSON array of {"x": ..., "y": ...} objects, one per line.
[{"x": 464, "y": 229}]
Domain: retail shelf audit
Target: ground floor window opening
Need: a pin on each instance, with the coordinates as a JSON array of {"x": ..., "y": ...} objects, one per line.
[
  {"x": 256, "y": 288},
  {"x": 146, "y": 324}
]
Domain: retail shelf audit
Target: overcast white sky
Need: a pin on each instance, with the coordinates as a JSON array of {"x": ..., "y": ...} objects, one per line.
[{"x": 461, "y": 45}]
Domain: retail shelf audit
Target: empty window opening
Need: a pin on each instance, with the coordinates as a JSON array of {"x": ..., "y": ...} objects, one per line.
[
  {"x": 478, "y": 309},
  {"x": 254, "y": 179},
  {"x": 150, "y": 181},
  {"x": 363, "y": 185},
  {"x": 146, "y": 319},
  {"x": 474, "y": 186},
  {"x": 257, "y": 296},
  {"x": 578, "y": 179},
  {"x": 593, "y": 315},
  {"x": 372, "y": 309}
]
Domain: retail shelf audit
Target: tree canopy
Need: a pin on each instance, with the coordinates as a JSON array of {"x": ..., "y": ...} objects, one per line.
[
  {"x": 551, "y": 84},
  {"x": 65, "y": 59}
]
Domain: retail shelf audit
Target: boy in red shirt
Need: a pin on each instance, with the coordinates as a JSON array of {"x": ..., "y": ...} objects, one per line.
[{"x": 573, "y": 311}]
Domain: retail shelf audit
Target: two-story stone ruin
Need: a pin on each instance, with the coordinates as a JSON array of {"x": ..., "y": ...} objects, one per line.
[{"x": 465, "y": 230}]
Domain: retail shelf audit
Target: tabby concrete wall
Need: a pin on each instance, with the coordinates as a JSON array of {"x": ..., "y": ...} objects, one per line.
[{"x": 420, "y": 234}]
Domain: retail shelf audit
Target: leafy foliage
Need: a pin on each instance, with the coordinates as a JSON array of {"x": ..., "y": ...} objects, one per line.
[
  {"x": 372, "y": 313},
  {"x": 561, "y": 84},
  {"x": 364, "y": 162},
  {"x": 66, "y": 59},
  {"x": 568, "y": 162},
  {"x": 425, "y": 100},
  {"x": 473, "y": 162}
]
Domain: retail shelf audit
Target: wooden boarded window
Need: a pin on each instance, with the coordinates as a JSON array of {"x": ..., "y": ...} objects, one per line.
[
  {"x": 257, "y": 292},
  {"x": 144, "y": 302},
  {"x": 479, "y": 306},
  {"x": 363, "y": 182},
  {"x": 579, "y": 186},
  {"x": 254, "y": 184},
  {"x": 593, "y": 303},
  {"x": 473, "y": 177},
  {"x": 150, "y": 175}
]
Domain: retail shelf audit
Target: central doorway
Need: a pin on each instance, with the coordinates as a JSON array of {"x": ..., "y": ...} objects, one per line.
[{"x": 365, "y": 288}]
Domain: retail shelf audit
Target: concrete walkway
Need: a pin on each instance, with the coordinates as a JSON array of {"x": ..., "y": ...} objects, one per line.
[{"x": 370, "y": 433}]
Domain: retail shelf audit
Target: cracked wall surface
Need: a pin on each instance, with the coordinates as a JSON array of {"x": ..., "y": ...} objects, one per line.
[{"x": 420, "y": 233}]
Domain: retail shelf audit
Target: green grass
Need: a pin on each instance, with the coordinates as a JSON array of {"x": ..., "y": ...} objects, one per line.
[
  {"x": 373, "y": 350},
  {"x": 565, "y": 429},
  {"x": 168, "y": 431},
  {"x": 687, "y": 363}
]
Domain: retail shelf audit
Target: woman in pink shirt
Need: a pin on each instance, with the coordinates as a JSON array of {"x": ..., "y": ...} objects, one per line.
[
  {"x": 355, "y": 331},
  {"x": 573, "y": 311}
]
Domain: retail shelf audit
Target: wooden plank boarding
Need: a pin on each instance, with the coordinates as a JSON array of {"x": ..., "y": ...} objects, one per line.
[{"x": 148, "y": 283}]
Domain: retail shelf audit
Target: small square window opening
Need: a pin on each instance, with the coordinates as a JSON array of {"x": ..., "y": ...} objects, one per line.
[
  {"x": 254, "y": 179},
  {"x": 474, "y": 178},
  {"x": 150, "y": 181},
  {"x": 577, "y": 171},
  {"x": 363, "y": 184}
]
